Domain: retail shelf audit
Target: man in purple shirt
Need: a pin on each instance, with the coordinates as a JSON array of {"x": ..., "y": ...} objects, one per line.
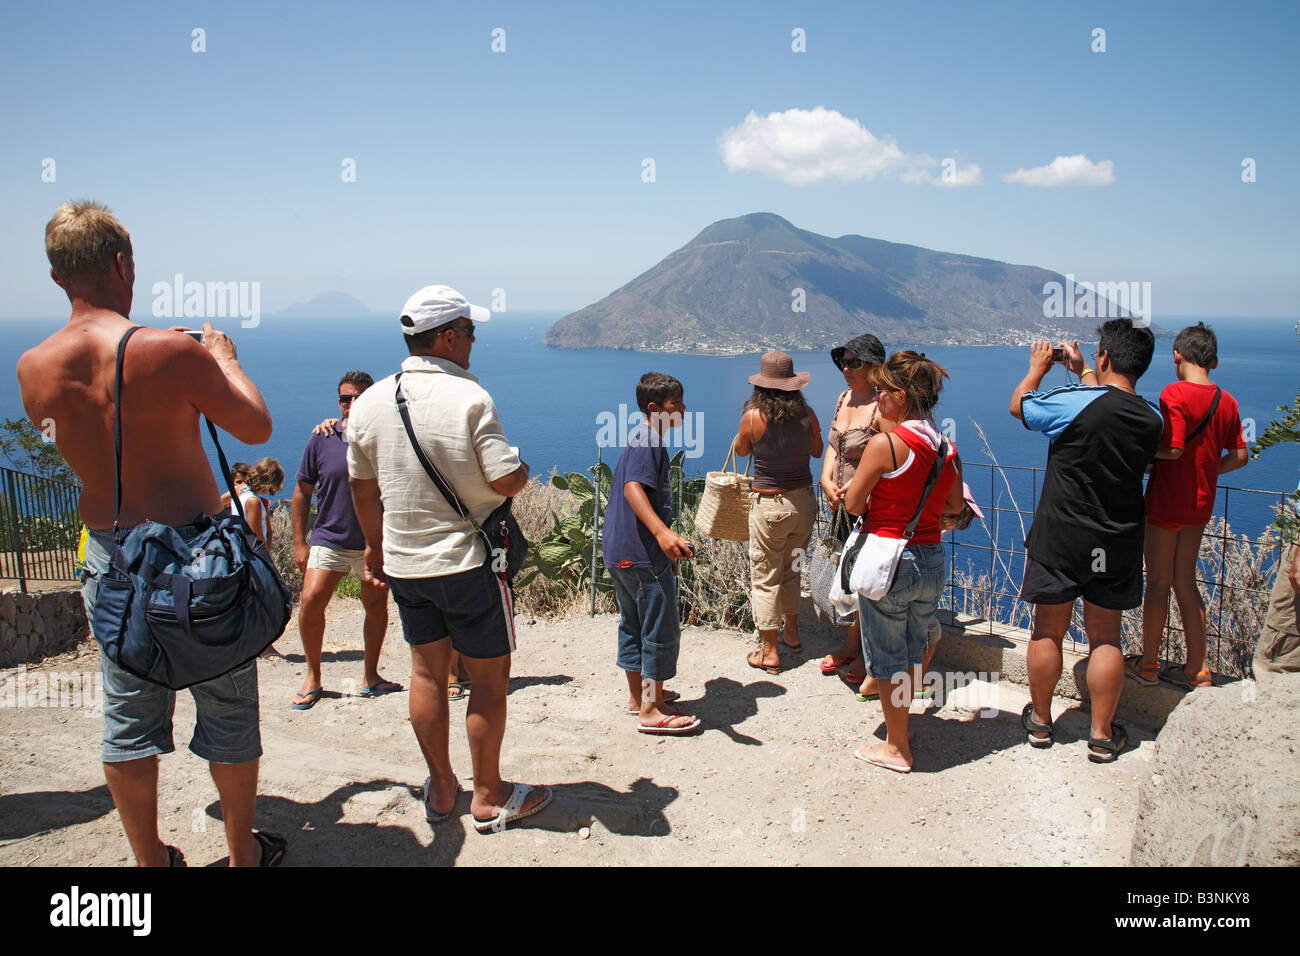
[{"x": 336, "y": 547}]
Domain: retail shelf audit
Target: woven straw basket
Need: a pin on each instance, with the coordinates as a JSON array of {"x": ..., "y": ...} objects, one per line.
[{"x": 723, "y": 512}]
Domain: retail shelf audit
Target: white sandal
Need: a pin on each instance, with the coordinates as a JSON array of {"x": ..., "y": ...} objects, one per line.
[{"x": 511, "y": 811}]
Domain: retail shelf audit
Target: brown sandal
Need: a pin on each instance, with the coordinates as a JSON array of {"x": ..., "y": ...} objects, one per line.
[{"x": 758, "y": 655}]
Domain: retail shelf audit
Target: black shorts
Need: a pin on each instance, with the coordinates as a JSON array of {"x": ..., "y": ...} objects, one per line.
[
  {"x": 474, "y": 608},
  {"x": 1044, "y": 585}
]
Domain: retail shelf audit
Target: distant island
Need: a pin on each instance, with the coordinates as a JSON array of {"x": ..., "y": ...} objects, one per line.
[
  {"x": 758, "y": 282},
  {"x": 328, "y": 305}
]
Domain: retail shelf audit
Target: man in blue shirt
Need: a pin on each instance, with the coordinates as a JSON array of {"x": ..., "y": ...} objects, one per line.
[
  {"x": 336, "y": 547},
  {"x": 1086, "y": 538}
]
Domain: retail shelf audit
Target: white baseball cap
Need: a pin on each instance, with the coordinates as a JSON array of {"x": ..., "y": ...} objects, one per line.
[{"x": 436, "y": 305}]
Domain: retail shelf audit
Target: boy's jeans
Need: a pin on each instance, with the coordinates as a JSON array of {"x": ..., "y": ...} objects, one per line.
[{"x": 649, "y": 629}]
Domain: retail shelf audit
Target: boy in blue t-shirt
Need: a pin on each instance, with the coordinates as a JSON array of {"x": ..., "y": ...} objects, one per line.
[{"x": 641, "y": 552}]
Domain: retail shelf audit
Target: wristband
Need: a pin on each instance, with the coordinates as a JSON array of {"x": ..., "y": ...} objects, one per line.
[{"x": 1086, "y": 371}]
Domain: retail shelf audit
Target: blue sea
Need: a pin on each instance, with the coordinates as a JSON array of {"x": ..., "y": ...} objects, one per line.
[{"x": 554, "y": 403}]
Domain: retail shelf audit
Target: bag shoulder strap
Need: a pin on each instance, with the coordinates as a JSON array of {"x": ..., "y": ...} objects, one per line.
[
  {"x": 431, "y": 470},
  {"x": 117, "y": 427},
  {"x": 117, "y": 439},
  {"x": 1214, "y": 407},
  {"x": 931, "y": 480}
]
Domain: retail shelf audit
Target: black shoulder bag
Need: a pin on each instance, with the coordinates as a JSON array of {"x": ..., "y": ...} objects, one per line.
[
  {"x": 507, "y": 547},
  {"x": 1214, "y": 407}
]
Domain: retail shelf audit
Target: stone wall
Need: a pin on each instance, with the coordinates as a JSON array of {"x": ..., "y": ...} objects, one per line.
[
  {"x": 1224, "y": 788},
  {"x": 36, "y": 626}
]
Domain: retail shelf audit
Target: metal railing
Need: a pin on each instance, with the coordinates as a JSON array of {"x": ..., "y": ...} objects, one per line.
[
  {"x": 986, "y": 564},
  {"x": 39, "y": 528},
  {"x": 1234, "y": 571}
]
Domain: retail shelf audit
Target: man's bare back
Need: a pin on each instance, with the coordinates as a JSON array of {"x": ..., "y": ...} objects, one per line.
[{"x": 169, "y": 379}]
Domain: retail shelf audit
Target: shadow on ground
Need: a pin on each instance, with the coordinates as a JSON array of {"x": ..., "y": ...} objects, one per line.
[
  {"x": 320, "y": 835},
  {"x": 726, "y": 703},
  {"x": 939, "y": 744},
  {"x": 23, "y": 814}
]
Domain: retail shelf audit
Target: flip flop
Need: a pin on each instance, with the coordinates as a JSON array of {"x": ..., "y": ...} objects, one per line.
[
  {"x": 460, "y": 694},
  {"x": 432, "y": 815},
  {"x": 669, "y": 697},
  {"x": 916, "y": 695},
  {"x": 512, "y": 811},
  {"x": 380, "y": 689},
  {"x": 875, "y": 761},
  {"x": 762, "y": 667},
  {"x": 274, "y": 847},
  {"x": 821, "y": 665},
  {"x": 663, "y": 729},
  {"x": 308, "y": 700}
]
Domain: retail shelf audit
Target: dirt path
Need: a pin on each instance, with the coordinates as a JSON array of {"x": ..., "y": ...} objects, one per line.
[{"x": 770, "y": 780}]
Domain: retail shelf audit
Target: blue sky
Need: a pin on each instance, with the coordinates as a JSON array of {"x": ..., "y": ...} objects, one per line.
[{"x": 522, "y": 170}]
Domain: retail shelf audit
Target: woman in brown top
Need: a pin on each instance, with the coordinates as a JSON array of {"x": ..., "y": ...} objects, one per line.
[
  {"x": 856, "y": 419},
  {"x": 782, "y": 433}
]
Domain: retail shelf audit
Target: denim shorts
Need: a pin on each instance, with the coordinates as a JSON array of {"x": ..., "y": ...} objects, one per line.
[
  {"x": 138, "y": 713},
  {"x": 896, "y": 627},
  {"x": 474, "y": 608},
  {"x": 649, "y": 630}
]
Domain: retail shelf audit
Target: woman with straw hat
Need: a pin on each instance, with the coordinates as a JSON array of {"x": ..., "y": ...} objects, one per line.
[{"x": 782, "y": 433}]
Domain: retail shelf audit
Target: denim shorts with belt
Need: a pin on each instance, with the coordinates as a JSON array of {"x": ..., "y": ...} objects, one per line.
[
  {"x": 649, "y": 629},
  {"x": 138, "y": 713},
  {"x": 896, "y": 627}
]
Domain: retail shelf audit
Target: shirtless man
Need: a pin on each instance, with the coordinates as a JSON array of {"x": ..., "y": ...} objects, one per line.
[{"x": 169, "y": 379}]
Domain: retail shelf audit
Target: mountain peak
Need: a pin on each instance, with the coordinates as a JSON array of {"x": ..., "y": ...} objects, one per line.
[
  {"x": 328, "y": 305},
  {"x": 757, "y": 281}
]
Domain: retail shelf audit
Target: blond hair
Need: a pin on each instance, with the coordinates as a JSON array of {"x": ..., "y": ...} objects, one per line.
[
  {"x": 266, "y": 475},
  {"x": 82, "y": 240}
]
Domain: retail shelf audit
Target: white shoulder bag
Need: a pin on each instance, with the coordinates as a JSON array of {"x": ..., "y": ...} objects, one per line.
[{"x": 870, "y": 561}]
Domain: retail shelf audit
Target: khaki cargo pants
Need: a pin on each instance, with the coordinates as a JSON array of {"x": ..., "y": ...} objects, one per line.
[
  {"x": 779, "y": 528},
  {"x": 1278, "y": 651}
]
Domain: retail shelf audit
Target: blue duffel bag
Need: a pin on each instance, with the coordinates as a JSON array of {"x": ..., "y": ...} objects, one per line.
[{"x": 178, "y": 612}]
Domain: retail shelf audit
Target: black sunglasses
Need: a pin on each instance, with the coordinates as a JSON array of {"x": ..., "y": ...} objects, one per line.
[
  {"x": 346, "y": 399},
  {"x": 465, "y": 330},
  {"x": 852, "y": 363}
]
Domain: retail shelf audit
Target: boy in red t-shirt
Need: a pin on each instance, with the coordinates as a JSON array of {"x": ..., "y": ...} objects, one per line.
[{"x": 1201, "y": 421}]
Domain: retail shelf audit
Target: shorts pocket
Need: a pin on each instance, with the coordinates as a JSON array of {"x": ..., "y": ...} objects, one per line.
[{"x": 907, "y": 583}]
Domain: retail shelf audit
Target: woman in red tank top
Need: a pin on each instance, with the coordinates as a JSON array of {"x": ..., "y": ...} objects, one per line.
[{"x": 893, "y": 473}]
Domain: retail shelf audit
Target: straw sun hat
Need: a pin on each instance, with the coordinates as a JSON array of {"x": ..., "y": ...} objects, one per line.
[{"x": 777, "y": 371}]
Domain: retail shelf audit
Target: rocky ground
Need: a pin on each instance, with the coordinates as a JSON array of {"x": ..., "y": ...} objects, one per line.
[{"x": 771, "y": 779}]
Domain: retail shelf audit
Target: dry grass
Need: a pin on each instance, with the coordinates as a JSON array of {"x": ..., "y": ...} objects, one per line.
[
  {"x": 282, "y": 549},
  {"x": 551, "y": 597}
]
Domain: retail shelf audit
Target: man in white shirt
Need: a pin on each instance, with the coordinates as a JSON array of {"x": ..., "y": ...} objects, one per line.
[{"x": 437, "y": 566}]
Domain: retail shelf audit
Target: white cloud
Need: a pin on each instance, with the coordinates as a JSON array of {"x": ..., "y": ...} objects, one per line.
[
  {"x": 954, "y": 174},
  {"x": 801, "y": 147},
  {"x": 1065, "y": 171}
]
